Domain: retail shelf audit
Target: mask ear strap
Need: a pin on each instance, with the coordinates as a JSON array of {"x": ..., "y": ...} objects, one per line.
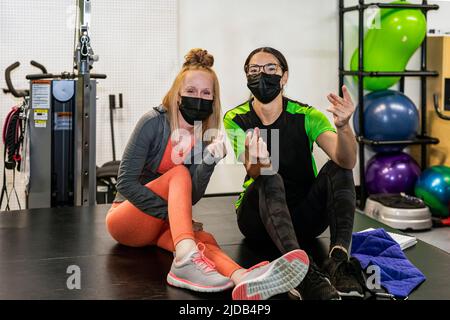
[{"x": 282, "y": 87}]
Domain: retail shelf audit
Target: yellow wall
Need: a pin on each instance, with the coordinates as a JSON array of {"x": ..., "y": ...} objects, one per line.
[{"x": 438, "y": 59}]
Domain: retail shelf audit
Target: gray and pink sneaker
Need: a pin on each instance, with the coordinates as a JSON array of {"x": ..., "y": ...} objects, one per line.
[
  {"x": 196, "y": 272},
  {"x": 268, "y": 279}
]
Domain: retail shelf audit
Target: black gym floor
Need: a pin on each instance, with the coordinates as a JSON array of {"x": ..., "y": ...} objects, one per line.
[{"x": 37, "y": 246}]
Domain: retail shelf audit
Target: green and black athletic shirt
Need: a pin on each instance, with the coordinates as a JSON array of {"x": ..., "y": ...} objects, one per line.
[{"x": 298, "y": 126}]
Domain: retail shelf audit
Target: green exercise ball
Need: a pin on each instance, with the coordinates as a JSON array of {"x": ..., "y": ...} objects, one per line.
[
  {"x": 389, "y": 48},
  {"x": 433, "y": 187}
]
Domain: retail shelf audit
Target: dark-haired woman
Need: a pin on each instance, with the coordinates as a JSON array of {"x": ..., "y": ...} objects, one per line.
[
  {"x": 165, "y": 170},
  {"x": 286, "y": 201}
]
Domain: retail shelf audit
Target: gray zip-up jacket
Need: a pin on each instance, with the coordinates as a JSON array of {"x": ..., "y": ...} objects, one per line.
[{"x": 141, "y": 160}]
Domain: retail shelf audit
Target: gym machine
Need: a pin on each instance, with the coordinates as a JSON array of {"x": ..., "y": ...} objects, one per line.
[
  {"x": 14, "y": 133},
  {"x": 62, "y": 122}
]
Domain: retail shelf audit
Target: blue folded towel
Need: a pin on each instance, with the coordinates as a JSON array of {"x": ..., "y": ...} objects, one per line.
[{"x": 398, "y": 276}]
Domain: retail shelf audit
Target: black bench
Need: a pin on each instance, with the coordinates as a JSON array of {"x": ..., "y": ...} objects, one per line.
[{"x": 37, "y": 246}]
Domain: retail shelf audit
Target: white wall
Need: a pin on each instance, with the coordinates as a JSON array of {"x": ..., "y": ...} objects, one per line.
[{"x": 305, "y": 31}]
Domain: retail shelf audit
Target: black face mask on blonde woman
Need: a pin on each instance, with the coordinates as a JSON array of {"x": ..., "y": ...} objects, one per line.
[{"x": 195, "y": 109}]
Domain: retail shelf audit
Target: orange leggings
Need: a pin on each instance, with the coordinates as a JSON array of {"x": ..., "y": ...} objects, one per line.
[{"x": 130, "y": 226}]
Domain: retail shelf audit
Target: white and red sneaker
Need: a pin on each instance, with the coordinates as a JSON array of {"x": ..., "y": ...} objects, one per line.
[
  {"x": 268, "y": 279},
  {"x": 196, "y": 272}
]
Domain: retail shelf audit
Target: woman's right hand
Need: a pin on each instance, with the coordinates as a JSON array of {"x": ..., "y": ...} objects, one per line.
[
  {"x": 256, "y": 148},
  {"x": 257, "y": 155}
]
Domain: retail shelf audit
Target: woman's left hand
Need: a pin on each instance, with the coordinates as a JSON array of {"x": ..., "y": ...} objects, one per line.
[
  {"x": 341, "y": 108},
  {"x": 217, "y": 147}
]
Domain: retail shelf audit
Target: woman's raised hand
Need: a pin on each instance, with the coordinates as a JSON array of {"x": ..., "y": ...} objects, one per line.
[{"x": 341, "y": 108}]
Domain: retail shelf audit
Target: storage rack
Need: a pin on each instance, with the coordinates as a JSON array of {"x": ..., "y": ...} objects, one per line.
[{"x": 422, "y": 138}]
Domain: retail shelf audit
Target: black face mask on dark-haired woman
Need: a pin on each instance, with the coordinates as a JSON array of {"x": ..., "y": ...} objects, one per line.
[
  {"x": 195, "y": 109},
  {"x": 265, "y": 87}
]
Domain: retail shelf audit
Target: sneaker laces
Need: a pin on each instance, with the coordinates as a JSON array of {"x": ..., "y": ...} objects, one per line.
[{"x": 202, "y": 261}]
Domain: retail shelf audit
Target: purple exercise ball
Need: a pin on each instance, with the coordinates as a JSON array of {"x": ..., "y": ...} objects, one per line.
[{"x": 392, "y": 173}]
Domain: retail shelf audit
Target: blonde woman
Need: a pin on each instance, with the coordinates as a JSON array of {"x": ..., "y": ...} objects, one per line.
[{"x": 165, "y": 170}]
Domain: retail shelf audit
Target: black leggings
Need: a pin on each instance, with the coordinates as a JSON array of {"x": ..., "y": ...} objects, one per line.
[{"x": 264, "y": 215}]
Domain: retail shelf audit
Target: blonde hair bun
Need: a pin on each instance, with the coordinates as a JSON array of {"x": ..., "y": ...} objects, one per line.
[{"x": 198, "y": 57}]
